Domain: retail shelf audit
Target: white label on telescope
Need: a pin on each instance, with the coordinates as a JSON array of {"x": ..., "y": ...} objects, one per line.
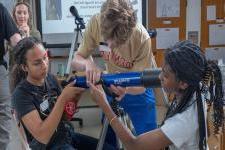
[{"x": 120, "y": 81}]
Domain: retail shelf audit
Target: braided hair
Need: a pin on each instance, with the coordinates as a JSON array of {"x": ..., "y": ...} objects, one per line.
[
  {"x": 189, "y": 64},
  {"x": 20, "y": 51}
]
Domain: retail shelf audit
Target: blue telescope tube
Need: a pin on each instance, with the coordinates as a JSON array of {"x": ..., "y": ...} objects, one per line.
[{"x": 147, "y": 78}]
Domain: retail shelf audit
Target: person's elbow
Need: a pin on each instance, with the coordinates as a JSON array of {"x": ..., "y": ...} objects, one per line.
[
  {"x": 131, "y": 143},
  {"x": 42, "y": 136}
]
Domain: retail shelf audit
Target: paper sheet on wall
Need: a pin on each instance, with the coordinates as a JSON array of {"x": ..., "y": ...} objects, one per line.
[
  {"x": 217, "y": 34},
  {"x": 168, "y": 8},
  {"x": 215, "y": 53},
  {"x": 211, "y": 12},
  {"x": 166, "y": 37}
]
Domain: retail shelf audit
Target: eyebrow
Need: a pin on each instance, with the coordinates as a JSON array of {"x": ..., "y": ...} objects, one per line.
[{"x": 40, "y": 59}]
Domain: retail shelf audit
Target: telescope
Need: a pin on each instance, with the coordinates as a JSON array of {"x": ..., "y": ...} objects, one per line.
[{"x": 147, "y": 78}]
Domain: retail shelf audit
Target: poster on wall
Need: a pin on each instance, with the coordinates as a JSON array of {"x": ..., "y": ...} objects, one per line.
[
  {"x": 168, "y": 8},
  {"x": 163, "y": 34},
  {"x": 216, "y": 34},
  {"x": 56, "y": 17}
]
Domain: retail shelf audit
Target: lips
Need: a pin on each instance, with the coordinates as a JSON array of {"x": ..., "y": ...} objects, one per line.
[{"x": 21, "y": 21}]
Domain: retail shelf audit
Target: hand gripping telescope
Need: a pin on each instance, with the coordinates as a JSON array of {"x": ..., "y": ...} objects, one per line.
[{"x": 147, "y": 78}]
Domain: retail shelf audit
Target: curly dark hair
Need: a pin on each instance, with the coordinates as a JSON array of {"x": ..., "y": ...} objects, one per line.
[
  {"x": 29, "y": 12},
  {"x": 189, "y": 64},
  {"x": 118, "y": 19},
  {"x": 20, "y": 50}
]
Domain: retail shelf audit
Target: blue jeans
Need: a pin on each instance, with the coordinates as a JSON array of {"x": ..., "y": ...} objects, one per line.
[
  {"x": 5, "y": 102},
  {"x": 142, "y": 112},
  {"x": 81, "y": 142}
]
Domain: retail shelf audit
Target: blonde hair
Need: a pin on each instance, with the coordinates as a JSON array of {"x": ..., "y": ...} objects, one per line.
[
  {"x": 118, "y": 19},
  {"x": 29, "y": 12}
]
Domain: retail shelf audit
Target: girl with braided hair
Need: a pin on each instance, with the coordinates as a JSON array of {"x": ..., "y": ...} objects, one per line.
[
  {"x": 40, "y": 104},
  {"x": 195, "y": 82}
]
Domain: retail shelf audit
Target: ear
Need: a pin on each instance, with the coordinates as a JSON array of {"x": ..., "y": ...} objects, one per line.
[
  {"x": 183, "y": 85},
  {"x": 24, "y": 68}
]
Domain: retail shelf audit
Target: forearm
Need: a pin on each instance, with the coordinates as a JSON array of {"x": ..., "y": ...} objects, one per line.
[
  {"x": 121, "y": 131},
  {"x": 79, "y": 62},
  {"x": 50, "y": 124}
]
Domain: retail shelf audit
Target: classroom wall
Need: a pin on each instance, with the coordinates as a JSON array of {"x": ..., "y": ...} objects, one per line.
[{"x": 194, "y": 17}]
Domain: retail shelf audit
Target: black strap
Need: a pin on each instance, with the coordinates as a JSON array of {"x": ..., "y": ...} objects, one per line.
[{"x": 201, "y": 122}]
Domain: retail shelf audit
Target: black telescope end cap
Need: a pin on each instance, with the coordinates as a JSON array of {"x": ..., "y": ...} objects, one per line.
[{"x": 150, "y": 78}]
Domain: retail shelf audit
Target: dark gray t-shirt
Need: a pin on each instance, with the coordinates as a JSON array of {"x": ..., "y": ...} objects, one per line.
[{"x": 27, "y": 97}]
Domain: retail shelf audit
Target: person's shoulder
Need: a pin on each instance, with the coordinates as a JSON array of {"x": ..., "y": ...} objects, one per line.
[
  {"x": 139, "y": 35},
  {"x": 2, "y": 9},
  {"x": 94, "y": 20},
  {"x": 34, "y": 30},
  {"x": 140, "y": 30},
  {"x": 22, "y": 88},
  {"x": 35, "y": 33},
  {"x": 1, "y": 6}
]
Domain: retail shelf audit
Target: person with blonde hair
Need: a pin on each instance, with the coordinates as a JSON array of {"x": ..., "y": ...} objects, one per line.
[{"x": 125, "y": 46}]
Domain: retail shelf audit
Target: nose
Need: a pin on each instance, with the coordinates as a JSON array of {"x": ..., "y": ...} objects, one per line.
[
  {"x": 44, "y": 64},
  {"x": 21, "y": 15}
]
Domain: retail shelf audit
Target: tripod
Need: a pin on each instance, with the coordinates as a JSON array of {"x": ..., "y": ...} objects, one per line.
[
  {"x": 74, "y": 45},
  {"x": 120, "y": 114}
]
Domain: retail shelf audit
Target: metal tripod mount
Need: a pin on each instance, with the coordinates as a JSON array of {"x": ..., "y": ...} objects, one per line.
[
  {"x": 120, "y": 114},
  {"x": 74, "y": 44}
]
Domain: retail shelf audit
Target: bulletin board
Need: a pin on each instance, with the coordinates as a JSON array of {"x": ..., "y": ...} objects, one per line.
[
  {"x": 213, "y": 24},
  {"x": 169, "y": 19}
]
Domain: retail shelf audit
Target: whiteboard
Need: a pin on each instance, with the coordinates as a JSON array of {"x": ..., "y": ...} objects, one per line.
[{"x": 56, "y": 17}]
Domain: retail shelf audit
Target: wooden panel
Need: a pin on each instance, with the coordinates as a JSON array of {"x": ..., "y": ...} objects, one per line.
[
  {"x": 176, "y": 22},
  {"x": 220, "y": 14}
]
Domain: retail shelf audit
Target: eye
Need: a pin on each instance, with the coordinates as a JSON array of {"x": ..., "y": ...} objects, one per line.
[{"x": 36, "y": 64}]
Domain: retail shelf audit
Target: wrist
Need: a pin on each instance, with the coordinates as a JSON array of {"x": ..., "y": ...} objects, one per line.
[
  {"x": 62, "y": 100},
  {"x": 112, "y": 119}
]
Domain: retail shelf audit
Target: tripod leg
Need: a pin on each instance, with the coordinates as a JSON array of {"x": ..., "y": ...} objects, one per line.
[
  {"x": 103, "y": 134},
  {"x": 73, "y": 47}
]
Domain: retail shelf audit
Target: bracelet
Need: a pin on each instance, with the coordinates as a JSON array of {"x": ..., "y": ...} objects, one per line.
[
  {"x": 112, "y": 119},
  {"x": 125, "y": 92}
]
